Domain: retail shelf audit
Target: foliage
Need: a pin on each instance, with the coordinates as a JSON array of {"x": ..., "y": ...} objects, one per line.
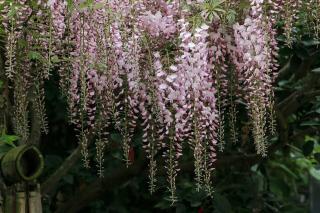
[{"x": 178, "y": 79}]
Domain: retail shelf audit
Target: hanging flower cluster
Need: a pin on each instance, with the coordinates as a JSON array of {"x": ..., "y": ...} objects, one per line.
[
  {"x": 14, "y": 15},
  {"x": 313, "y": 16},
  {"x": 198, "y": 86},
  {"x": 286, "y": 11},
  {"x": 218, "y": 56},
  {"x": 127, "y": 64},
  {"x": 20, "y": 46},
  {"x": 257, "y": 46},
  {"x": 157, "y": 24}
]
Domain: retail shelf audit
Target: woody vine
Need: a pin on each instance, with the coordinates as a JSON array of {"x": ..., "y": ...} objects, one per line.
[{"x": 179, "y": 70}]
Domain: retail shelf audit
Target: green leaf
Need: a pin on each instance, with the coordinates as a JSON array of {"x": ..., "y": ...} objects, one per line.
[
  {"x": 317, "y": 157},
  {"x": 164, "y": 204},
  {"x": 33, "y": 55},
  {"x": 315, "y": 173},
  {"x": 304, "y": 163},
  {"x": 279, "y": 186},
  {"x": 310, "y": 138},
  {"x": 317, "y": 70},
  {"x": 86, "y": 4},
  {"x": 181, "y": 208},
  {"x": 99, "y": 5},
  {"x": 308, "y": 148},
  {"x": 221, "y": 203},
  {"x": 116, "y": 137},
  {"x": 310, "y": 43},
  {"x": 310, "y": 123},
  {"x": 9, "y": 139},
  {"x": 284, "y": 168},
  {"x": 55, "y": 59},
  {"x": 283, "y": 83}
]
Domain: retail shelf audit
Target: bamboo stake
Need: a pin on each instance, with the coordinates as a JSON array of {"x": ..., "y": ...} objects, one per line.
[
  {"x": 35, "y": 205},
  {"x": 9, "y": 203},
  {"x": 21, "y": 202}
]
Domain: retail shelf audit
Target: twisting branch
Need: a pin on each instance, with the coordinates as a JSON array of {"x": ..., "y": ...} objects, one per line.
[
  {"x": 49, "y": 185},
  {"x": 296, "y": 100},
  {"x": 289, "y": 67},
  {"x": 102, "y": 185},
  {"x": 297, "y": 66},
  {"x": 35, "y": 134}
]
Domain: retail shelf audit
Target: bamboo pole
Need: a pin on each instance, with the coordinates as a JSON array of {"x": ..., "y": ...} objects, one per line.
[
  {"x": 20, "y": 168},
  {"x": 35, "y": 205},
  {"x": 23, "y": 163},
  {"x": 21, "y": 202},
  {"x": 9, "y": 202},
  {"x": 1, "y": 202}
]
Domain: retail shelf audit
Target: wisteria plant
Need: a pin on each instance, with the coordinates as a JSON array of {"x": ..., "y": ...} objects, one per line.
[{"x": 117, "y": 71}]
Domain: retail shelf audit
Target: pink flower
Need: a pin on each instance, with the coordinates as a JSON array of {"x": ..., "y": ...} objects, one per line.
[{"x": 158, "y": 24}]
